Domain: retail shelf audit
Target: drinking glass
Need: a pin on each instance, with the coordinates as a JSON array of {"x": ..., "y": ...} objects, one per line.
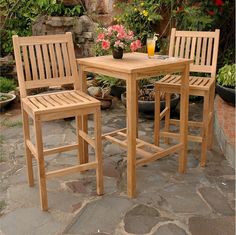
[{"x": 151, "y": 43}]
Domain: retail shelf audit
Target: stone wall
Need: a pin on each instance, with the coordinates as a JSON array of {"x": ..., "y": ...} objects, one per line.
[{"x": 82, "y": 28}]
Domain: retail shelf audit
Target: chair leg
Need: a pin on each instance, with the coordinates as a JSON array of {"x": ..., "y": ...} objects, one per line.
[
  {"x": 29, "y": 156},
  {"x": 205, "y": 129},
  {"x": 98, "y": 151},
  {"x": 157, "y": 116},
  {"x": 78, "y": 122},
  {"x": 167, "y": 116},
  {"x": 41, "y": 165},
  {"x": 210, "y": 128},
  {"x": 85, "y": 144}
]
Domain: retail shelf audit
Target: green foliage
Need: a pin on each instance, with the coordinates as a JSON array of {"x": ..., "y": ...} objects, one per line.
[
  {"x": 191, "y": 17},
  {"x": 7, "y": 85},
  {"x": 108, "y": 81},
  {"x": 55, "y": 8},
  {"x": 227, "y": 76},
  {"x": 140, "y": 16},
  {"x": 19, "y": 16}
]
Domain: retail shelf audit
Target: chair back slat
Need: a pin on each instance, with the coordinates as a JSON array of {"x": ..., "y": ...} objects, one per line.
[
  {"x": 40, "y": 62},
  {"x": 66, "y": 59},
  {"x": 193, "y": 48},
  {"x": 45, "y": 61},
  {"x": 59, "y": 60},
  {"x": 202, "y": 47},
  {"x": 209, "y": 51},
  {"x": 177, "y": 47},
  {"x": 53, "y": 60},
  {"x": 199, "y": 45},
  {"x": 187, "y": 49},
  {"x": 26, "y": 62},
  {"x": 182, "y": 47}
]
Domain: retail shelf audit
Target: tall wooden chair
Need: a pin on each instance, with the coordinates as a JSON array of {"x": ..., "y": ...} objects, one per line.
[
  {"x": 44, "y": 61},
  {"x": 203, "y": 48}
]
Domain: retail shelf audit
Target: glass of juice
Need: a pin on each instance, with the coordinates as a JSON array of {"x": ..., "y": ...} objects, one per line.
[{"x": 151, "y": 43}]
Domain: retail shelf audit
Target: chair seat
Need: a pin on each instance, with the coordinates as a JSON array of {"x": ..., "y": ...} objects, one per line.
[
  {"x": 59, "y": 101},
  {"x": 195, "y": 83}
]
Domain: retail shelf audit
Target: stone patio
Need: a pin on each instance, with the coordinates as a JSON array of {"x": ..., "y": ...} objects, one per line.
[{"x": 202, "y": 201}]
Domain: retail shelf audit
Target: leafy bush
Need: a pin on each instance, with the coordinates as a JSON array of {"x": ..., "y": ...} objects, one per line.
[
  {"x": 140, "y": 16},
  {"x": 57, "y": 8},
  {"x": 7, "y": 85},
  {"x": 109, "y": 81},
  {"x": 227, "y": 75},
  {"x": 18, "y": 17}
]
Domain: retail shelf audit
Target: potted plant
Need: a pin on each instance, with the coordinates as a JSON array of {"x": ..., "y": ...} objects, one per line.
[
  {"x": 7, "y": 87},
  {"x": 101, "y": 91},
  {"x": 117, "y": 38},
  {"x": 117, "y": 85},
  {"x": 226, "y": 81},
  {"x": 146, "y": 97}
]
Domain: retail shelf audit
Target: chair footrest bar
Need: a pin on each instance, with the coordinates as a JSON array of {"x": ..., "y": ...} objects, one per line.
[
  {"x": 87, "y": 138},
  {"x": 190, "y": 123},
  {"x": 158, "y": 155},
  {"x": 60, "y": 149},
  {"x": 191, "y": 138},
  {"x": 73, "y": 169},
  {"x": 114, "y": 132},
  {"x": 163, "y": 113},
  {"x": 31, "y": 148}
]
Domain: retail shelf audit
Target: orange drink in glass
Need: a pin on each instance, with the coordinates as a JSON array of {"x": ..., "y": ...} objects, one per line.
[{"x": 151, "y": 43}]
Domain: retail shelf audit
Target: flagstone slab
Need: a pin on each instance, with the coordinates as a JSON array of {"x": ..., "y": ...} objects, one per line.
[
  {"x": 169, "y": 229},
  {"x": 141, "y": 219},
  {"x": 27, "y": 221},
  {"x": 216, "y": 200},
  {"x": 212, "y": 226},
  {"x": 102, "y": 215}
]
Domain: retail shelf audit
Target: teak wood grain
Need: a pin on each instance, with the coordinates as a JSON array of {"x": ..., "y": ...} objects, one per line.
[
  {"x": 44, "y": 61},
  {"x": 133, "y": 67}
]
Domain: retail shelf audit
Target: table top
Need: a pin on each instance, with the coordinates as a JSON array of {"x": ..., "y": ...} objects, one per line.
[{"x": 132, "y": 62}]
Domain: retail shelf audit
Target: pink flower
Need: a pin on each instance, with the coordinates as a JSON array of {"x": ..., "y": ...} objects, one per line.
[
  {"x": 119, "y": 44},
  {"x": 105, "y": 44},
  {"x": 100, "y": 37},
  {"x": 135, "y": 45},
  {"x": 117, "y": 36}
]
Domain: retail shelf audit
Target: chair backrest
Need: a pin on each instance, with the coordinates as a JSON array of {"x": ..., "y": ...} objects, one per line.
[
  {"x": 43, "y": 61},
  {"x": 197, "y": 45}
]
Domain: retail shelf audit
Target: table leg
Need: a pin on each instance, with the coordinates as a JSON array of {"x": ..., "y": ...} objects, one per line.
[
  {"x": 131, "y": 135},
  {"x": 184, "y": 105}
]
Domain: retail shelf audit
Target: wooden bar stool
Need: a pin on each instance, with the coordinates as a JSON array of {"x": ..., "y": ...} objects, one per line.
[
  {"x": 45, "y": 61},
  {"x": 202, "y": 47}
]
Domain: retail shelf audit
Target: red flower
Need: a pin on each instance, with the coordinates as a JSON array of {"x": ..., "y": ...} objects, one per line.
[
  {"x": 212, "y": 13},
  {"x": 105, "y": 44},
  {"x": 219, "y": 3}
]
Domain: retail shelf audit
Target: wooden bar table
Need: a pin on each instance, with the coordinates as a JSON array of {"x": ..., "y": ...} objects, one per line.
[{"x": 133, "y": 67}]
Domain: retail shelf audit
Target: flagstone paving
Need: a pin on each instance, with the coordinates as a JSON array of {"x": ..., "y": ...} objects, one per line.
[{"x": 202, "y": 201}]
